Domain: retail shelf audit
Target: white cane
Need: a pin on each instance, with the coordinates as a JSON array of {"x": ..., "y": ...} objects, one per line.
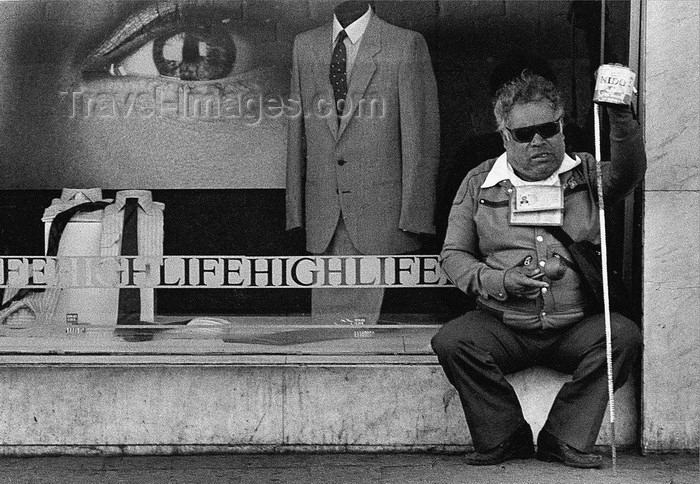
[
  {"x": 606, "y": 294},
  {"x": 604, "y": 250}
]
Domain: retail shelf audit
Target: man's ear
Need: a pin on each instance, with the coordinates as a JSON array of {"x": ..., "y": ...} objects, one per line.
[
  {"x": 504, "y": 137},
  {"x": 561, "y": 129}
]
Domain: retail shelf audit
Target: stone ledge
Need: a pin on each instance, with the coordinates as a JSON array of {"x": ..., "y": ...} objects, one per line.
[
  {"x": 165, "y": 407},
  {"x": 171, "y": 450},
  {"x": 145, "y": 450},
  {"x": 170, "y": 360}
]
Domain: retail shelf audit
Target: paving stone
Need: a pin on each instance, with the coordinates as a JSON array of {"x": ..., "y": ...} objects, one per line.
[{"x": 341, "y": 469}]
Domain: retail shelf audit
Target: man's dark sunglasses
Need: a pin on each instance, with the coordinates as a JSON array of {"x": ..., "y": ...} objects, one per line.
[{"x": 526, "y": 134}]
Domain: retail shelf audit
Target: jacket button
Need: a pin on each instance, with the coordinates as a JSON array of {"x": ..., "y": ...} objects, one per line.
[{"x": 341, "y": 162}]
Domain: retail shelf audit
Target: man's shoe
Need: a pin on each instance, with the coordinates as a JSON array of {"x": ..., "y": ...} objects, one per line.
[
  {"x": 551, "y": 449},
  {"x": 517, "y": 446}
]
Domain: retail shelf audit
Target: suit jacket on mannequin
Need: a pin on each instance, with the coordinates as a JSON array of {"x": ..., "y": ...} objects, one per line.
[{"x": 378, "y": 169}]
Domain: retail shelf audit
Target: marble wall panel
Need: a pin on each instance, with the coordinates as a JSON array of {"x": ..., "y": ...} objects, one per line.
[
  {"x": 671, "y": 94},
  {"x": 671, "y": 280}
]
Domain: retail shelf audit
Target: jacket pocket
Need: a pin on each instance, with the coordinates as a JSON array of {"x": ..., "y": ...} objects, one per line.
[{"x": 494, "y": 203}]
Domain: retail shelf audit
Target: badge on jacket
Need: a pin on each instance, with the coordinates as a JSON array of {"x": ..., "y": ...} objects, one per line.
[{"x": 537, "y": 205}]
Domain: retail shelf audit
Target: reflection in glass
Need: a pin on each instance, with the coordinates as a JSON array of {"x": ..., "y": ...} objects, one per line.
[{"x": 198, "y": 55}]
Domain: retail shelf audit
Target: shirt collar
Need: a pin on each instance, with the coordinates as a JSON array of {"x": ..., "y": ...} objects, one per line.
[
  {"x": 79, "y": 195},
  {"x": 355, "y": 30},
  {"x": 70, "y": 197},
  {"x": 502, "y": 170},
  {"x": 144, "y": 197}
]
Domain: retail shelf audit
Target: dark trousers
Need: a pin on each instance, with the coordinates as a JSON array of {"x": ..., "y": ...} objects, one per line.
[{"x": 476, "y": 350}]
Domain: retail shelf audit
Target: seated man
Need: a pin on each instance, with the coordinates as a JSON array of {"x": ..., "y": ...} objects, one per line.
[{"x": 525, "y": 314}]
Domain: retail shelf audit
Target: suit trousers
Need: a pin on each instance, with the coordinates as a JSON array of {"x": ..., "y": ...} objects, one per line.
[
  {"x": 333, "y": 305},
  {"x": 476, "y": 350}
]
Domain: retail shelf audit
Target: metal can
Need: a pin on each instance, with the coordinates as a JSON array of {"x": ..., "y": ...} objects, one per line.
[{"x": 614, "y": 84}]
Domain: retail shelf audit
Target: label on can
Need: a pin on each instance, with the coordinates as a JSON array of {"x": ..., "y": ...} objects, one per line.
[{"x": 614, "y": 84}]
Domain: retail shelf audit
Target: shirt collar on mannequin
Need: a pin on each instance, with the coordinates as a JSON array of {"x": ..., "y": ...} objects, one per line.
[
  {"x": 145, "y": 200},
  {"x": 71, "y": 197},
  {"x": 81, "y": 195}
]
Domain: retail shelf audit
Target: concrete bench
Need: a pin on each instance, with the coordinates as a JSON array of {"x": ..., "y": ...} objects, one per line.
[{"x": 378, "y": 392}]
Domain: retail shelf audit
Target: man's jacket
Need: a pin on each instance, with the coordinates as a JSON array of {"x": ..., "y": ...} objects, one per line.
[{"x": 481, "y": 245}]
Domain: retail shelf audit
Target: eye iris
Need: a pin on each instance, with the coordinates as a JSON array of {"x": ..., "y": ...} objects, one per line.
[{"x": 196, "y": 54}]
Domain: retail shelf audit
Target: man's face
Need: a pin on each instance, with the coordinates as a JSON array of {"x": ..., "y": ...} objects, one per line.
[{"x": 538, "y": 158}]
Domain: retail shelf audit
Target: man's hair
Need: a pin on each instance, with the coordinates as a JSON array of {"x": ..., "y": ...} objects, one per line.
[{"x": 526, "y": 88}]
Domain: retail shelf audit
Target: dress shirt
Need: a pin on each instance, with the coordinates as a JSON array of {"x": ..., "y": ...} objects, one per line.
[
  {"x": 70, "y": 197},
  {"x": 355, "y": 32},
  {"x": 43, "y": 307},
  {"x": 39, "y": 304},
  {"x": 150, "y": 240}
]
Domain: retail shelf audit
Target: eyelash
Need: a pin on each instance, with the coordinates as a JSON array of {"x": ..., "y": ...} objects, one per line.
[
  {"x": 188, "y": 56},
  {"x": 161, "y": 23}
]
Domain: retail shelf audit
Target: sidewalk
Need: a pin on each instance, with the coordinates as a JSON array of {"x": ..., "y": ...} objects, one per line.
[{"x": 338, "y": 469}]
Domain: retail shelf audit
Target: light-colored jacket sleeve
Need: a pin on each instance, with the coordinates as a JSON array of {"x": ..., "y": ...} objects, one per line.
[
  {"x": 461, "y": 257},
  {"x": 296, "y": 149},
  {"x": 420, "y": 138}
]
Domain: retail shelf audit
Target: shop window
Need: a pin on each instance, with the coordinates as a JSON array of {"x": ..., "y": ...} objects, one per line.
[{"x": 186, "y": 100}]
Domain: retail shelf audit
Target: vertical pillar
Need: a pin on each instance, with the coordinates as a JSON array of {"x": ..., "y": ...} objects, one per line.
[{"x": 671, "y": 247}]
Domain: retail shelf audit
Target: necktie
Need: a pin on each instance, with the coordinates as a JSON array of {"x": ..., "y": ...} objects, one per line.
[
  {"x": 58, "y": 225},
  {"x": 337, "y": 74},
  {"x": 129, "y": 311}
]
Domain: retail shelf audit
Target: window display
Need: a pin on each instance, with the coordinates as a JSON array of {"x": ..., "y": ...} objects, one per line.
[{"x": 249, "y": 207}]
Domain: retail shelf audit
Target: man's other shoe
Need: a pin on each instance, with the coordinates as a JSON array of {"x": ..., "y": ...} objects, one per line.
[
  {"x": 551, "y": 449},
  {"x": 517, "y": 446}
]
